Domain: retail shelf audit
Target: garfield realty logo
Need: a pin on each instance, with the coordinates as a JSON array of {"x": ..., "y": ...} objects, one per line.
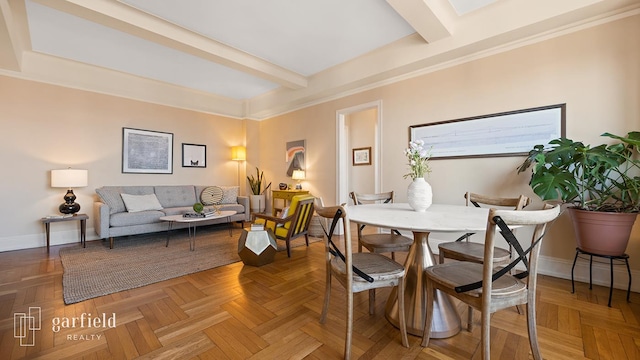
[{"x": 26, "y": 324}]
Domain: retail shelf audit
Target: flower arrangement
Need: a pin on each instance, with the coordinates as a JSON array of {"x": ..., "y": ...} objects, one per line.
[{"x": 418, "y": 159}]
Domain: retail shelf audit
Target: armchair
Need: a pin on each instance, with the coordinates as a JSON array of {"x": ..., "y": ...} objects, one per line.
[{"x": 293, "y": 224}]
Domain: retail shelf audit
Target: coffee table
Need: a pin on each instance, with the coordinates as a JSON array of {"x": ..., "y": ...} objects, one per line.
[{"x": 192, "y": 223}]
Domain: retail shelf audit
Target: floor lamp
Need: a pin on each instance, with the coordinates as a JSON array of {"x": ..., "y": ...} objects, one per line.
[{"x": 238, "y": 153}]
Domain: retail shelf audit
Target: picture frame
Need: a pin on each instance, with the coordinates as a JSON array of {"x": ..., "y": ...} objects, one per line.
[
  {"x": 146, "y": 152},
  {"x": 512, "y": 133},
  {"x": 295, "y": 156},
  {"x": 362, "y": 156},
  {"x": 194, "y": 155}
]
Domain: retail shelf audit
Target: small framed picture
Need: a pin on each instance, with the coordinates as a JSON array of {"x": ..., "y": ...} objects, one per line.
[
  {"x": 194, "y": 155},
  {"x": 362, "y": 156}
]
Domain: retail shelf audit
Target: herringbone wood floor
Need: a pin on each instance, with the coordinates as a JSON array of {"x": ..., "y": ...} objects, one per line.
[{"x": 272, "y": 312}]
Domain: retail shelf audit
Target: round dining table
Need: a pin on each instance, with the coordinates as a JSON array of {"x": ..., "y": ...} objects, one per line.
[{"x": 437, "y": 218}]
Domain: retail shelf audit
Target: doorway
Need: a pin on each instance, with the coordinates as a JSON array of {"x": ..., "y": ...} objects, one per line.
[{"x": 350, "y": 120}]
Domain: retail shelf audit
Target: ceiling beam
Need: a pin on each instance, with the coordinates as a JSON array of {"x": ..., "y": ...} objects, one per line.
[
  {"x": 135, "y": 22},
  {"x": 14, "y": 34},
  {"x": 421, "y": 17}
]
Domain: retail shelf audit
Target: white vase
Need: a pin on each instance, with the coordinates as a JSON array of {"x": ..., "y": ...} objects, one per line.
[{"x": 419, "y": 195}]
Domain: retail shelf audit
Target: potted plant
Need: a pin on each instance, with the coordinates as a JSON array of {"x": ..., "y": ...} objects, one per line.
[
  {"x": 601, "y": 183},
  {"x": 257, "y": 199}
]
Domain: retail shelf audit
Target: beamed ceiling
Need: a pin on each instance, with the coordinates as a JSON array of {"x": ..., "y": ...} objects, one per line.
[{"x": 258, "y": 58}]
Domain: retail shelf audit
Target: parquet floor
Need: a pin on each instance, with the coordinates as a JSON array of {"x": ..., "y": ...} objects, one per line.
[{"x": 272, "y": 312}]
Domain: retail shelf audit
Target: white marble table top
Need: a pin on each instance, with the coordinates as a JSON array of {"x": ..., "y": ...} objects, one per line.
[
  {"x": 437, "y": 218},
  {"x": 180, "y": 218}
]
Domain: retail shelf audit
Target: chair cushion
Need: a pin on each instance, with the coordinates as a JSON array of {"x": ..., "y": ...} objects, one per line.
[{"x": 463, "y": 272}]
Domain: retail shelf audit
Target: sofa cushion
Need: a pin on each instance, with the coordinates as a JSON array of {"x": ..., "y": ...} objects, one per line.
[
  {"x": 178, "y": 195},
  {"x": 136, "y": 203},
  {"x": 135, "y": 218},
  {"x": 211, "y": 195},
  {"x": 229, "y": 194},
  {"x": 110, "y": 195}
]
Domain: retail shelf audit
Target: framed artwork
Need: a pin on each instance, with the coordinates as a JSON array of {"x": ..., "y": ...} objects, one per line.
[
  {"x": 194, "y": 155},
  {"x": 294, "y": 156},
  {"x": 147, "y": 152},
  {"x": 362, "y": 156},
  {"x": 511, "y": 133}
]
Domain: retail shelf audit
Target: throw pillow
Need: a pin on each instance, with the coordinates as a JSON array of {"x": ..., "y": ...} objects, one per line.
[
  {"x": 230, "y": 194},
  {"x": 284, "y": 213},
  {"x": 211, "y": 195},
  {"x": 136, "y": 203},
  {"x": 112, "y": 198}
]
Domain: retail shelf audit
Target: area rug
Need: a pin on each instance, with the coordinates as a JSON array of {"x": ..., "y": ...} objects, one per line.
[{"x": 140, "y": 260}]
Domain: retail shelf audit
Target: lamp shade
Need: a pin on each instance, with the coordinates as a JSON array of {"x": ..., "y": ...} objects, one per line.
[
  {"x": 69, "y": 178},
  {"x": 238, "y": 153},
  {"x": 298, "y": 175}
]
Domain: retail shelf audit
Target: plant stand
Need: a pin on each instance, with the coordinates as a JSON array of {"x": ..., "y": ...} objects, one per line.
[{"x": 623, "y": 257}]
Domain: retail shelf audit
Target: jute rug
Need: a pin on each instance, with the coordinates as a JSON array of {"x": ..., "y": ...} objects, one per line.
[{"x": 141, "y": 260}]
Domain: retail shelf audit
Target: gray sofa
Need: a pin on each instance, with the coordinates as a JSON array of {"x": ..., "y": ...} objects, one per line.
[{"x": 111, "y": 218}]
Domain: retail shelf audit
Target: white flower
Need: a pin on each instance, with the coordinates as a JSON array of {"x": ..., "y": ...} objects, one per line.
[{"x": 418, "y": 158}]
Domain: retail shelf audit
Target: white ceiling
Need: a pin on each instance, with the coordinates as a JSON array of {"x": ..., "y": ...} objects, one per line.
[{"x": 257, "y": 58}]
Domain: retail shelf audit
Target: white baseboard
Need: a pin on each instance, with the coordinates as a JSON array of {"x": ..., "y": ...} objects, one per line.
[{"x": 30, "y": 241}]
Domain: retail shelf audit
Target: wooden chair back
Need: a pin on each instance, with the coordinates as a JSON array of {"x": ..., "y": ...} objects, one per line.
[{"x": 359, "y": 199}]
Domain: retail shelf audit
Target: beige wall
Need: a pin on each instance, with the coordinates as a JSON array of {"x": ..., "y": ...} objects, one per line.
[
  {"x": 48, "y": 127},
  {"x": 596, "y": 72}
]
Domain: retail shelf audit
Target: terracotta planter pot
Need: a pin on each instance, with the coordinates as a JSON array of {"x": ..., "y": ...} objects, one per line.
[{"x": 603, "y": 233}]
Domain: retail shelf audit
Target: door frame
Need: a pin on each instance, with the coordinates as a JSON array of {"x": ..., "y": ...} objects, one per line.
[{"x": 343, "y": 156}]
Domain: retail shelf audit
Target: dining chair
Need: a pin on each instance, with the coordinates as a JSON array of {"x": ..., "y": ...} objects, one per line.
[
  {"x": 484, "y": 288},
  {"x": 462, "y": 249},
  {"x": 290, "y": 225},
  {"x": 356, "y": 272},
  {"x": 380, "y": 242}
]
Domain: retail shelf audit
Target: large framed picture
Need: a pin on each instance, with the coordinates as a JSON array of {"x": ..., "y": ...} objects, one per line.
[
  {"x": 511, "y": 133},
  {"x": 147, "y": 152},
  {"x": 194, "y": 155},
  {"x": 362, "y": 156}
]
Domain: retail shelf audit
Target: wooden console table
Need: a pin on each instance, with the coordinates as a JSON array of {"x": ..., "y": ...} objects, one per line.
[
  {"x": 284, "y": 195},
  {"x": 76, "y": 217}
]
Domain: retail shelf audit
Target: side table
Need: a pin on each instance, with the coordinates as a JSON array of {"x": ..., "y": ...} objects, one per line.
[
  {"x": 623, "y": 257},
  {"x": 284, "y": 195},
  {"x": 76, "y": 217}
]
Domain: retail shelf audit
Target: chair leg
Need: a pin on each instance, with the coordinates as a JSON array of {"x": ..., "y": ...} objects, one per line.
[
  {"x": 533, "y": 331},
  {"x": 288, "y": 248},
  {"x": 441, "y": 257},
  {"x": 469, "y": 318},
  {"x": 306, "y": 239},
  {"x": 393, "y": 256},
  {"x": 426, "y": 335},
  {"x": 327, "y": 295},
  {"x": 111, "y": 242},
  {"x": 347, "y": 341},
  {"x": 372, "y": 301},
  {"x": 485, "y": 333},
  {"x": 402, "y": 322}
]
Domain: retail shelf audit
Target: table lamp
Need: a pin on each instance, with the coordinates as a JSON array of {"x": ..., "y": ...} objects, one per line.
[
  {"x": 298, "y": 175},
  {"x": 69, "y": 178}
]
